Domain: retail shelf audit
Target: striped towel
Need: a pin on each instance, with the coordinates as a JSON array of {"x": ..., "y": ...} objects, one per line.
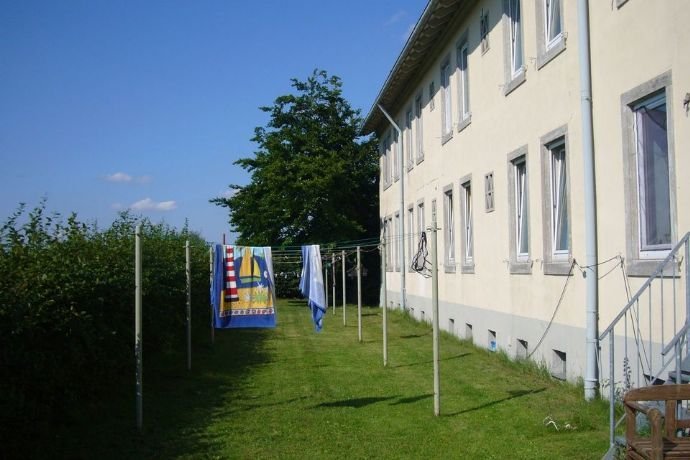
[{"x": 231, "y": 294}]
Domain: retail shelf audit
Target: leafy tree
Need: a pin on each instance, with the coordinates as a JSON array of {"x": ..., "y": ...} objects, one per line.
[{"x": 312, "y": 179}]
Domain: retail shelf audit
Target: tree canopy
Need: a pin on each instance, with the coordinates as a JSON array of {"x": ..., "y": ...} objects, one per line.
[{"x": 313, "y": 180}]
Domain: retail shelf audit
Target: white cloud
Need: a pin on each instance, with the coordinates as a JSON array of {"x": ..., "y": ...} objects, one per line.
[
  {"x": 147, "y": 204},
  {"x": 126, "y": 178},
  {"x": 395, "y": 18},
  {"x": 118, "y": 177}
]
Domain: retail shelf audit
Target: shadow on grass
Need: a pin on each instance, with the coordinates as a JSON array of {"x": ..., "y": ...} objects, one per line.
[
  {"x": 411, "y": 399},
  {"x": 356, "y": 402},
  {"x": 462, "y": 355},
  {"x": 416, "y": 336},
  {"x": 178, "y": 405},
  {"x": 513, "y": 394}
]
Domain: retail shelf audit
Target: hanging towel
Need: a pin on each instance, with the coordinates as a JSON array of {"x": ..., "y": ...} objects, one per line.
[
  {"x": 311, "y": 283},
  {"x": 248, "y": 295}
]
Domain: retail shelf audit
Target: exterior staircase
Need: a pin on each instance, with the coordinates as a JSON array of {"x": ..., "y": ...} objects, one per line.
[{"x": 647, "y": 342}]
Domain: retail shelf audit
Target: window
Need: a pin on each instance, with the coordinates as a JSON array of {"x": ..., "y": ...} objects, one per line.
[
  {"x": 463, "y": 86},
  {"x": 521, "y": 211},
  {"x": 514, "y": 60},
  {"x": 432, "y": 93},
  {"x": 484, "y": 31},
  {"x": 649, "y": 171},
  {"x": 519, "y": 215},
  {"x": 411, "y": 237},
  {"x": 420, "y": 218},
  {"x": 408, "y": 139},
  {"x": 447, "y": 116},
  {"x": 386, "y": 152},
  {"x": 397, "y": 242},
  {"x": 555, "y": 205},
  {"x": 388, "y": 238},
  {"x": 653, "y": 174},
  {"x": 489, "y": 192},
  {"x": 448, "y": 229},
  {"x": 550, "y": 34},
  {"x": 418, "y": 128},
  {"x": 467, "y": 236},
  {"x": 396, "y": 155}
]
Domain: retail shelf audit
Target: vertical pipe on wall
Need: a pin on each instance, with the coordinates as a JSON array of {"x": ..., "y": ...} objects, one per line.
[
  {"x": 591, "y": 377},
  {"x": 403, "y": 292}
]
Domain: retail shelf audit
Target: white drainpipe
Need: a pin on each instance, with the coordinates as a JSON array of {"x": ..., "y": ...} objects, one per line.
[{"x": 592, "y": 344}]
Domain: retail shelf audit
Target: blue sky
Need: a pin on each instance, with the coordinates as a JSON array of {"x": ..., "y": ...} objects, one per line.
[{"x": 109, "y": 105}]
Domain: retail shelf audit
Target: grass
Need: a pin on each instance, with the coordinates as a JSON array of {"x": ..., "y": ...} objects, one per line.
[{"x": 294, "y": 393}]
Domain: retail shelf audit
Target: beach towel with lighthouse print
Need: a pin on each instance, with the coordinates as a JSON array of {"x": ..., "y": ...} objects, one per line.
[{"x": 248, "y": 297}]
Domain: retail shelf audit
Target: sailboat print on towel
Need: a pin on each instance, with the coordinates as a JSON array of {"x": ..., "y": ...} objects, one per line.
[{"x": 249, "y": 270}]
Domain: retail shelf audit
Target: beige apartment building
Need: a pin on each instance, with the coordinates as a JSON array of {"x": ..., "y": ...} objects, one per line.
[{"x": 557, "y": 172}]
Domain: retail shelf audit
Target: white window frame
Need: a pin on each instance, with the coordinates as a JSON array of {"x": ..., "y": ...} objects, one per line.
[
  {"x": 411, "y": 236},
  {"x": 448, "y": 229},
  {"x": 519, "y": 215},
  {"x": 643, "y": 259},
  {"x": 521, "y": 210},
  {"x": 409, "y": 116},
  {"x": 556, "y": 201},
  {"x": 551, "y": 9},
  {"x": 462, "y": 56},
  {"x": 398, "y": 241},
  {"x": 467, "y": 229},
  {"x": 446, "y": 102},
  {"x": 389, "y": 243},
  {"x": 549, "y": 44},
  {"x": 396, "y": 155},
  {"x": 489, "y": 194},
  {"x": 421, "y": 227},
  {"x": 484, "y": 30},
  {"x": 647, "y": 250},
  {"x": 559, "y": 198},
  {"x": 513, "y": 41},
  {"x": 418, "y": 128}
]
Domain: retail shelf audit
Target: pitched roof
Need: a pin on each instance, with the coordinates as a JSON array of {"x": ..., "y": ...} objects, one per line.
[{"x": 430, "y": 27}]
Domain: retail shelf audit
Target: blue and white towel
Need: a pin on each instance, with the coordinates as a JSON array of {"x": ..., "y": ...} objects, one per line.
[{"x": 311, "y": 283}]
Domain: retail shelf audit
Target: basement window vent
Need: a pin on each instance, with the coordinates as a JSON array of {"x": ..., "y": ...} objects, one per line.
[
  {"x": 558, "y": 364},
  {"x": 451, "y": 326},
  {"x": 521, "y": 349},
  {"x": 468, "y": 332},
  {"x": 493, "y": 346}
]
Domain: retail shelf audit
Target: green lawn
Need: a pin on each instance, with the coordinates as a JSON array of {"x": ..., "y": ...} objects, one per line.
[{"x": 294, "y": 393}]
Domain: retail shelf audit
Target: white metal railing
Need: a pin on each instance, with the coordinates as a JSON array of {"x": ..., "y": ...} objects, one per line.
[{"x": 650, "y": 332}]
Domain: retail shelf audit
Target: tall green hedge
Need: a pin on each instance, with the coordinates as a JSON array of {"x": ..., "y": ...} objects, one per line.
[{"x": 67, "y": 308}]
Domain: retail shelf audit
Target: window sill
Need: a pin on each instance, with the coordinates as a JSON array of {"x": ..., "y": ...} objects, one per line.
[
  {"x": 520, "y": 267},
  {"x": 464, "y": 123},
  {"x": 646, "y": 267},
  {"x": 620, "y": 3},
  {"x": 516, "y": 81},
  {"x": 467, "y": 268},
  {"x": 547, "y": 55},
  {"x": 557, "y": 267},
  {"x": 449, "y": 267},
  {"x": 420, "y": 158},
  {"x": 446, "y": 137}
]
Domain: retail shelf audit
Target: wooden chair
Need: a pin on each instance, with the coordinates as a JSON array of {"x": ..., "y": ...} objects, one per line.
[{"x": 663, "y": 442}]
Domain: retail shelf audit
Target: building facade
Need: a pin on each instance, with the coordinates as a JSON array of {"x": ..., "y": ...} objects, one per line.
[{"x": 488, "y": 96}]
